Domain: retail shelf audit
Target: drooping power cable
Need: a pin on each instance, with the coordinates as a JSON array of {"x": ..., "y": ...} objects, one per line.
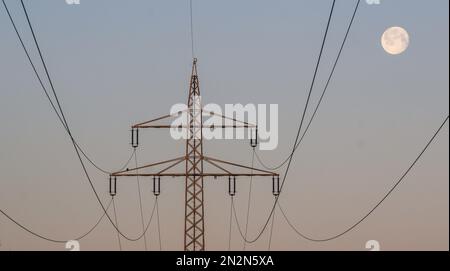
[
  {"x": 298, "y": 131},
  {"x": 117, "y": 223},
  {"x": 138, "y": 181},
  {"x": 50, "y": 99},
  {"x": 231, "y": 224},
  {"x": 336, "y": 61},
  {"x": 271, "y": 230},
  {"x": 192, "y": 28},
  {"x": 399, "y": 181},
  {"x": 249, "y": 198},
  {"x": 77, "y": 151},
  {"x": 159, "y": 226},
  {"x": 54, "y": 240}
]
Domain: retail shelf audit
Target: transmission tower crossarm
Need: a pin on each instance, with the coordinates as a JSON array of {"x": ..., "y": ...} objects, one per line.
[
  {"x": 205, "y": 174},
  {"x": 219, "y": 164},
  {"x": 236, "y": 123},
  {"x": 133, "y": 172},
  {"x": 166, "y": 126},
  {"x": 127, "y": 171}
]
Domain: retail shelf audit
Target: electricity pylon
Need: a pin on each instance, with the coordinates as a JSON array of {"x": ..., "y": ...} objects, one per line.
[{"x": 194, "y": 160}]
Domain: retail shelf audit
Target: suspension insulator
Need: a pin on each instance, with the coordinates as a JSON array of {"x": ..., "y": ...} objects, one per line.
[
  {"x": 276, "y": 185},
  {"x": 112, "y": 186},
  {"x": 156, "y": 185},
  {"x": 134, "y": 137},
  {"x": 232, "y": 185},
  {"x": 254, "y": 138}
]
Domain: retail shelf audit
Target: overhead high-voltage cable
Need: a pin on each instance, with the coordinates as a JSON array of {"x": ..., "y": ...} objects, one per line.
[
  {"x": 117, "y": 223},
  {"x": 336, "y": 61},
  {"x": 376, "y": 205},
  {"x": 231, "y": 224},
  {"x": 298, "y": 132},
  {"x": 50, "y": 99},
  {"x": 159, "y": 226},
  {"x": 192, "y": 28},
  {"x": 140, "y": 199},
  {"x": 249, "y": 198},
  {"x": 53, "y": 240},
  {"x": 77, "y": 151},
  {"x": 271, "y": 231}
]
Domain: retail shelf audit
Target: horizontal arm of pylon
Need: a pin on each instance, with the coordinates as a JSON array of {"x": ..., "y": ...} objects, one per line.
[
  {"x": 193, "y": 126},
  {"x": 126, "y": 172},
  {"x": 148, "y": 124},
  {"x": 212, "y": 161},
  {"x": 205, "y": 174}
]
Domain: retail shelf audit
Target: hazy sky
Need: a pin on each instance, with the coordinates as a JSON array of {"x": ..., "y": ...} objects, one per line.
[{"x": 117, "y": 62}]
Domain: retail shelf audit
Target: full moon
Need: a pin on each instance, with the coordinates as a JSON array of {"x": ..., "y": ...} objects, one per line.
[{"x": 395, "y": 40}]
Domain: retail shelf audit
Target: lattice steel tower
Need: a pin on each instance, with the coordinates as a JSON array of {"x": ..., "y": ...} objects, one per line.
[{"x": 194, "y": 222}]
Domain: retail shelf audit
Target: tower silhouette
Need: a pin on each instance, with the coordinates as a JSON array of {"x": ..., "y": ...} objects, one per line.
[{"x": 194, "y": 160}]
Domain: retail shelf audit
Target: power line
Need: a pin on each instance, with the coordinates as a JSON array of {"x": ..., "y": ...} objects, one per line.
[
  {"x": 71, "y": 137},
  {"x": 48, "y": 95},
  {"x": 61, "y": 118},
  {"x": 101, "y": 169},
  {"x": 45, "y": 68},
  {"x": 249, "y": 199},
  {"x": 159, "y": 226},
  {"x": 377, "y": 205},
  {"x": 321, "y": 96},
  {"x": 299, "y": 129},
  {"x": 271, "y": 231},
  {"x": 289, "y": 160},
  {"x": 237, "y": 221},
  {"x": 140, "y": 199},
  {"x": 151, "y": 216},
  {"x": 53, "y": 240},
  {"x": 192, "y": 28},
  {"x": 31, "y": 62},
  {"x": 65, "y": 124},
  {"x": 231, "y": 224},
  {"x": 117, "y": 223}
]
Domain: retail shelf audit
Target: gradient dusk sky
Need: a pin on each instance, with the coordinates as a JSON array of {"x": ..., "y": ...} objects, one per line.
[{"x": 117, "y": 62}]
